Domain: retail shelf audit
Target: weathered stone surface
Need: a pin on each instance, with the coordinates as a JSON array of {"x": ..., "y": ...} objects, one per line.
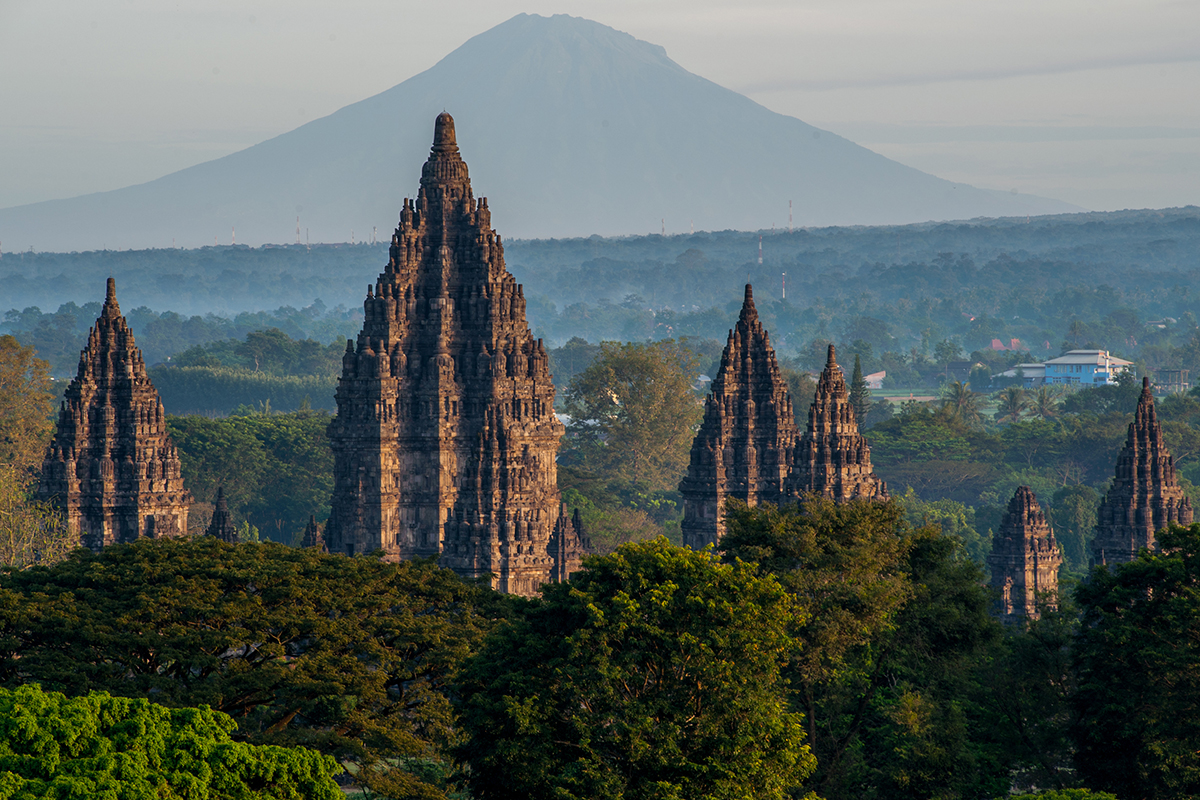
[
  {"x": 1024, "y": 560},
  {"x": 743, "y": 446},
  {"x": 312, "y": 534},
  {"x": 445, "y": 438},
  {"x": 221, "y": 525},
  {"x": 832, "y": 458},
  {"x": 1145, "y": 496},
  {"x": 112, "y": 467}
]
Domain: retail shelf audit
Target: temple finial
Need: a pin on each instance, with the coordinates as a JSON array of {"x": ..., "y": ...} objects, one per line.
[
  {"x": 443, "y": 131},
  {"x": 831, "y": 359}
]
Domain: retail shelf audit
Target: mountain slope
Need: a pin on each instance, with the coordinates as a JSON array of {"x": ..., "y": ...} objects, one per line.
[{"x": 571, "y": 127}]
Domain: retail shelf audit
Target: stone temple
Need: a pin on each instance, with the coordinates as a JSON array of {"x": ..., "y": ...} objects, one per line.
[
  {"x": 1024, "y": 560},
  {"x": 749, "y": 448},
  {"x": 744, "y": 443},
  {"x": 1144, "y": 497},
  {"x": 445, "y": 438},
  {"x": 832, "y": 458},
  {"x": 111, "y": 467}
]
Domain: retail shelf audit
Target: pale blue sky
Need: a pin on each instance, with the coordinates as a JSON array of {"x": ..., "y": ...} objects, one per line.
[{"x": 1093, "y": 102}]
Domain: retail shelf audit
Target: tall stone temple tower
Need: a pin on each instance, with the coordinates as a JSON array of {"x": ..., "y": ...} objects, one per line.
[
  {"x": 1144, "y": 496},
  {"x": 744, "y": 442},
  {"x": 832, "y": 458},
  {"x": 749, "y": 448},
  {"x": 112, "y": 467},
  {"x": 445, "y": 438},
  {"x": 1024, "y": 560}
]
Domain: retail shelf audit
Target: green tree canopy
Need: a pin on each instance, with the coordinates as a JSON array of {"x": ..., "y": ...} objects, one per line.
[
  {"x": 276, "y": 469},
  {"x": 1137, "y": 698},
  {"x": 99, "y": 746},
  {"x": 26, "y": 406},
  {"x": 633, "y": 414},
  {"x": 889, "y": 663},
  {"x": 347, "y": 656},
  {"x": 654, "y": 673}
]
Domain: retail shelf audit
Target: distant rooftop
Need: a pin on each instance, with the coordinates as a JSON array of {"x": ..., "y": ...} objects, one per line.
[{"x": 1090, "y": 357}]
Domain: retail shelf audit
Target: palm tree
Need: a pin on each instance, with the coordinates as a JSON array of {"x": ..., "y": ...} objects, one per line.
[
  {"x": 1012, "y": 403},
  {"x": 961, "y": 402},
  {"x": 1045, "y": 403}
]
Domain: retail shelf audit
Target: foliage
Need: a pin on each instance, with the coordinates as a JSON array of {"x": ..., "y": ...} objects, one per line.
[
  {"x": 1045, "y": 403},
  {"x": 1030, "y": 681},
  {"x": 347, "y": 656},
  {"x": 952, "y": 518},
  {"x": 900, "y": 713},
  {"x": 1011, "y": 403},
  {"x": 104, "y": 746},
  {"x": 633, "y": 414},
  {"x": 26, "y": 405},
  {"x": 841, "y": 563},
  {"x": 653, "y": 673},
  {"x": 1073, "y": 515},
  {"x": 962, "y": 403},
  {"x": 276, "y": 469},
  {"x": 611, "y": 525},
  {"x": 1061, "y": 794},
  {"x": 270, "y": 351},
  {"x": 31, "y": 531},
  {"x": 221, "y": 390},
  {"x": 1137, "y": 700}
]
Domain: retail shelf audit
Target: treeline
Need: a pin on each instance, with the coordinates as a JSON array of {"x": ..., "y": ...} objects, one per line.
[
  {"x": 890, "y": 294},
  {"x": 60, "y": 336},
  {"x": 828, "y": 650}
]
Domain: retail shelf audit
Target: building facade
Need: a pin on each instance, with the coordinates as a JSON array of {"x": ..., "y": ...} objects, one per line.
[{"x": 1085, "y": 368}]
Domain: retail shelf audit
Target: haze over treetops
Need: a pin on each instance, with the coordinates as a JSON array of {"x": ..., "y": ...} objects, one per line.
[{"x": 572, "y": 127}]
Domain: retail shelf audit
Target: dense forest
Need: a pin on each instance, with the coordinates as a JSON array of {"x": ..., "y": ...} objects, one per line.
[{"x": 820, "y": 651}]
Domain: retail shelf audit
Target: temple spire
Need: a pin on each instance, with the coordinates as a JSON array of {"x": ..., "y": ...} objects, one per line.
[
  {"x": 749, "y": 428},
  {"x": 832, "y": 458},
  {"x": 1024, "y": 561},
  {"x": 445, "y": 439},
  {"x": 221, "y": 526},
  {"x": 112, "y": 468},
  {"x": 1145, "y": 495}
]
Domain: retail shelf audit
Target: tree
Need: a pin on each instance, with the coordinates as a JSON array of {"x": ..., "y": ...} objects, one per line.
[
  {"x": 1011, "y": 404},
  {"x": 276, "y": 469},
  {"x": 26, "y": 405},
  {"x": 1073, "y": 512},
  {"x": 1045, "y": 403},
  {"x": 946, "y": 351},
  {"x": 350, "y": 657},
  {"x": 1137, "y": 697},
  {"x": 52, "y": 746},
  {"x": 860, "y": 395},
  {"x": 653, "y": 673},
  {"x": 31, "y": 531},
  {"x": 961, "y": 402},
  {"x": 889, "y": 661},
  {"x": 634, "y": 413}
]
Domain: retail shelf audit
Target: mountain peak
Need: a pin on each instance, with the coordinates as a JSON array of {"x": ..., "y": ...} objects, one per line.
[{"x": 576, "y": 127}]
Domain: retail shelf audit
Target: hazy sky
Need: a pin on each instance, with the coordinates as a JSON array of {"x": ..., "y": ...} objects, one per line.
[{"x": 1094, "y": 102}]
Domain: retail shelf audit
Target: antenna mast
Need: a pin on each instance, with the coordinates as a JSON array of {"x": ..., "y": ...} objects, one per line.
[{"x": 760, "y": 249}]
